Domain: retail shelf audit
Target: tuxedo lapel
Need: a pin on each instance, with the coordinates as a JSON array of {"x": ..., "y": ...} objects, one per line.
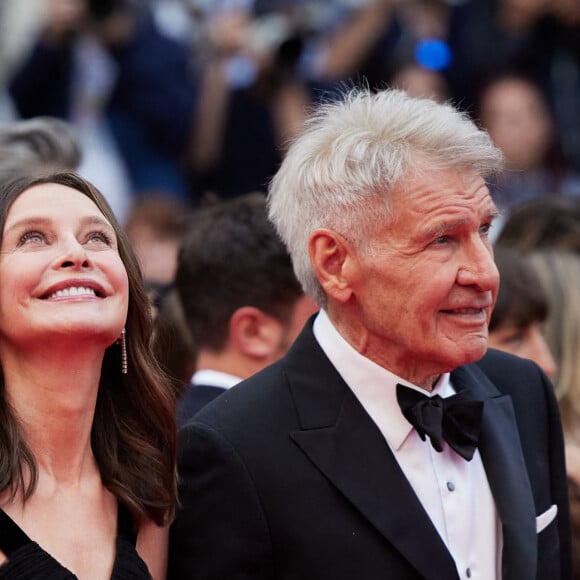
[
  {"x": 342, "y": 442},
  {"x": 506, "y": 471}
]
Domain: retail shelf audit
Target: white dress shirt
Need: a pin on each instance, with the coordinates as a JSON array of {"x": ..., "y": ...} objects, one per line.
[
  {"x": 454, "y": 492},
  {"x": 213, "y": 378}
]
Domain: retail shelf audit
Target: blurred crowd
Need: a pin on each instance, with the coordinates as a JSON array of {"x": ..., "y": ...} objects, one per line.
[
  {"x": 167, "y": 105},
  {"x": 170, "y": 105},
  {"x": 186, "y": 99}
]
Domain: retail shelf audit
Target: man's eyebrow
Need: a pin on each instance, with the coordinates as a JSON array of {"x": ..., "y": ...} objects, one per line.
[
  {"x": 449, "y": 225},
  {"x": 494, "y": 213},
  {"x": 443, "y": 227}
]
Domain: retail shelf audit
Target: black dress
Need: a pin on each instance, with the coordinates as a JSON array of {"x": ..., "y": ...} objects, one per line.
[{"x": 28, "y": 561}]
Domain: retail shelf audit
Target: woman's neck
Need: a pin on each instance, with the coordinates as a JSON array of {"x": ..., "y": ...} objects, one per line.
[{"x": 54, "y": 398}]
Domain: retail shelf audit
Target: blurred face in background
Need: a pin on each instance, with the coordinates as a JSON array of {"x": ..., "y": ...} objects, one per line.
[
  {"x": 525, "y": 341},
  {"x": 518, "y": 120}
]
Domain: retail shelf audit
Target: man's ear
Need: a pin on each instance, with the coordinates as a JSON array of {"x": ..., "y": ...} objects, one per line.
[
  {"x": 332, "y": 258},
  {"x": 254, "y": 333}
]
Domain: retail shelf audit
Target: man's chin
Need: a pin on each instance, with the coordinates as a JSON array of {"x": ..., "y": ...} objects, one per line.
[
  {"x": 475, "y": 350},
  {"x": 466, "y": 352}
]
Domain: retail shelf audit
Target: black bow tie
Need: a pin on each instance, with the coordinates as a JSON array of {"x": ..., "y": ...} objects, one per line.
[{"x": 456, "y": 419}]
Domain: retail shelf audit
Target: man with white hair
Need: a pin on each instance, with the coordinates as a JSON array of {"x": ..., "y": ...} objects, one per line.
[{"x": 386, "y": 443}]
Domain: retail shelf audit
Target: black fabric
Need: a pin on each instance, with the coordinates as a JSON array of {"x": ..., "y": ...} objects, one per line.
[
  {"x": 11, "y": 536},
  {"x": 194, "y": 399},
  {"x": 456, "y": 419},
  {"x": 293, "y": 467},
  {"x": 28, "y": 561}
]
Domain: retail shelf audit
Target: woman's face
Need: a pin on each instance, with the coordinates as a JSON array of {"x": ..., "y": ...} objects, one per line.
[
  {"x": 518, "y": 121},
  {"x": 60, "y": 270},
  {"x": 525, "y": 341}
]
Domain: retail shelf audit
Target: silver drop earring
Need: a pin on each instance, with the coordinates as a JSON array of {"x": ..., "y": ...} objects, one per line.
[{"x": 123, "y": 342}]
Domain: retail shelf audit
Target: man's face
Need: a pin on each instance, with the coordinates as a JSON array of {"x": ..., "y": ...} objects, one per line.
[{"x": 424, "y": 292}]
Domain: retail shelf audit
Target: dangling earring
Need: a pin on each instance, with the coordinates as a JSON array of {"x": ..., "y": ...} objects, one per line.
[{"x": 123, "y": 342}]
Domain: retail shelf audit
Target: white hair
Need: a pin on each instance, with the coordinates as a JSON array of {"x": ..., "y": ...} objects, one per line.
[
  {"x": 37, "y": 143},
  {"x": 340, "y": 171}
]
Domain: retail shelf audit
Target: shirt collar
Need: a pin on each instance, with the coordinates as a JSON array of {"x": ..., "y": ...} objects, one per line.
[
  {"x": 213, "y": 378},
  {"x": 374, "y": 386}
]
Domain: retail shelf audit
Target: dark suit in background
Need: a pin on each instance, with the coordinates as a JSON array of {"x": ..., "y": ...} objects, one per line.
[
  {"x": 193, "y": 399},
  {"x": 241, "y": 301}
]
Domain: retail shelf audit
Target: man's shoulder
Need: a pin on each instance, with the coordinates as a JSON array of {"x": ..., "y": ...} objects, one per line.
[
  {"x": 497, "y": 362},
  {"x": 193, "y": 399},
  {"x": 247, "y": 400},
  {"x": 513, "y": 375},
  {"x": 268, "y": 393}
]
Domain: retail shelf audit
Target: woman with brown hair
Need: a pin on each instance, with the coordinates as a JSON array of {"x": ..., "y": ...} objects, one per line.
[{"x": 87, "y": 429}]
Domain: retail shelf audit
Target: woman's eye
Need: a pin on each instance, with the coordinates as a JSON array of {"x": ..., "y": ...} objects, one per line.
[
  {"x": 99, "y": 238},
  {"x": 31, "y": 238}
]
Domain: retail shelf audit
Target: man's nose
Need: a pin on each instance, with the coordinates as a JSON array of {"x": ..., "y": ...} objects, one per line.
[{"x": 478, "y": 267}]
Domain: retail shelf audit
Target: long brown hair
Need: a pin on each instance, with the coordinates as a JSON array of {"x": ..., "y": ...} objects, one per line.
[{"x": 133, "y": 434}]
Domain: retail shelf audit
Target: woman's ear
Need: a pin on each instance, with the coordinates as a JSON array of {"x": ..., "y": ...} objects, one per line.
[{"x": 332, "y": 258}]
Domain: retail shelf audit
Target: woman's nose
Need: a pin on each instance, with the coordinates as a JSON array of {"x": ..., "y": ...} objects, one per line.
[{"x": 73, "y": 255}]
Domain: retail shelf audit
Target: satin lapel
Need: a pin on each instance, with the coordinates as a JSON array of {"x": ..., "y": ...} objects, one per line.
[
  {"x": 345, "y": 445},
  {"x": 502, "y": 457}
]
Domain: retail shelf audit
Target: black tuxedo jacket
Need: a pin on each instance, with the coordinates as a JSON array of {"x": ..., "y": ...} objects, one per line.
[
  {"x": 194, "y": 398},
  {"x": 285, "y": 476}
]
